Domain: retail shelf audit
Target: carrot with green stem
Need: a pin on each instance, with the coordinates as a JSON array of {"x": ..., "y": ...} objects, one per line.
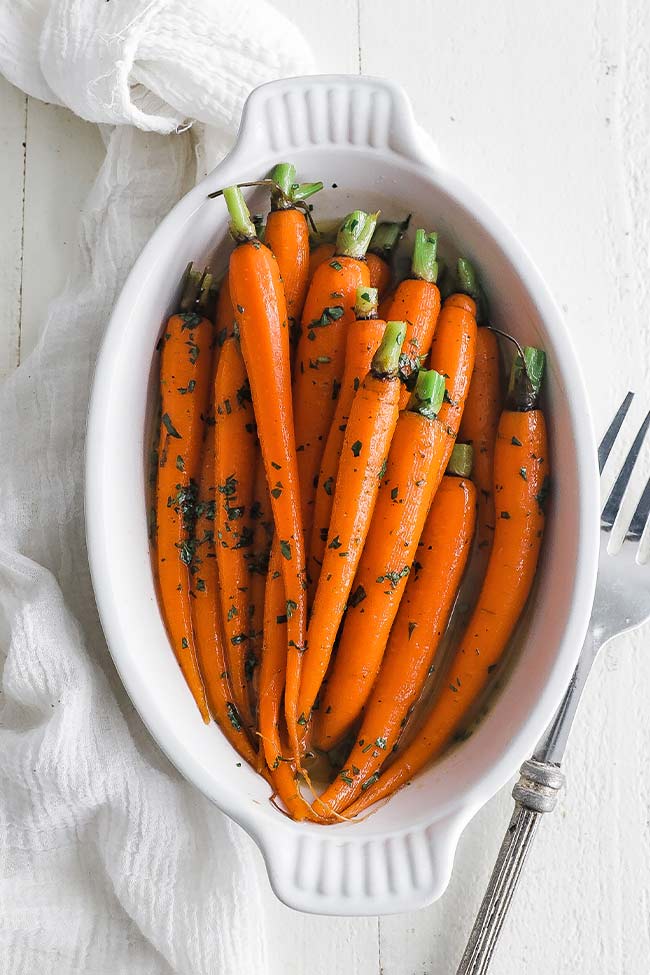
[
  {"x": 261, "y": 316},
  {"x": 367, "y": 439},
  {"x": 257, "y": 560},
  {"x": 521, "y": 487},
  {"x": 320, "y": 356},
  {"x": 382, "y": 247},
  {"x": 363, "y": 339},
  {"x": 481, "y": 414},
  {"x": 271, "y": 686},
  {"x": 421, "y": 621},
  {"x": 453, "y": 353},
  {"x": 287, "y": 234},
  {"x": 416, "y": 462},
  {"x": 235, "y": 457},
  {"x": 416, "y": 301},
  {"x": 185, "y": 372},
  {"x": 206, "y": 615}
]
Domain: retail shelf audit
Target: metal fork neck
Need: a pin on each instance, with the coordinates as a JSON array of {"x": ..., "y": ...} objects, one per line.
[{"x": 538, "y": 787}]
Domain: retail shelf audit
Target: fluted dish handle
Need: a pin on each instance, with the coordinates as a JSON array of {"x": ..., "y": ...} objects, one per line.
[{"x": 332, "y": 110}]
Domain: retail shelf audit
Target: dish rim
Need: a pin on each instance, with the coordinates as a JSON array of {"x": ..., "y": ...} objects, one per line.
[{"x": 448, "y": 821}]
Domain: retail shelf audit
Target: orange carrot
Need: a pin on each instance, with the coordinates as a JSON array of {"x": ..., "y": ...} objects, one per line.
[
  {"x": 363, "y": 340},
  {"x": 287, "y": 234},
  {"x": 272, "y": 680},
  {"x": 235, "y": 457},
  {"x": 257, "y": 559},
  {"x": 206, "y": 616},
  {"x": 318, "y": 255},
  {"x": 385, "y": 304},
  {"x": 367, "y": 438},
  {"x": 379, "y": 273},
  {"x": 417, "y": 302},
  {"x": 416, "y": 463},
  {"x": 261, "y": 315},
  {"x": 479, "y": 427},
  {"x": 185, "y": 370},
  {"x": 521, "y": 485},
  {"x": 481, "y": 414},
  {"x": 453, "y": 353},
  {"x": 418, "y": 628},
  {"x": 329, "y": 309}
]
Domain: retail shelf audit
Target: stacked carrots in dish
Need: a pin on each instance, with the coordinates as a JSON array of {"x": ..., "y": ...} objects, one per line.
[{"x": 324, "y": 474}]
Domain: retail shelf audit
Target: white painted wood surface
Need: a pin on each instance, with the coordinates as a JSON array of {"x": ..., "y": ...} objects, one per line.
[{"x": 545, "y": 110}]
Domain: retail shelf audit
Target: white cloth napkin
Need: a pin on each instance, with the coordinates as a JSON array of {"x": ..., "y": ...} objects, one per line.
[{"x": 110, "y": 863}]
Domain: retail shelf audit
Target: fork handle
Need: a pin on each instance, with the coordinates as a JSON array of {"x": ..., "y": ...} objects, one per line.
[{"x": 535, "y": 794}]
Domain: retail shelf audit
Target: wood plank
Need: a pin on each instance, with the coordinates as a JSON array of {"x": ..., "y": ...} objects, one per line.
[
  {"x": 12, "y": 156},
  {"x": 64, "y": 154},
  {"x": 332, "y": 30}
]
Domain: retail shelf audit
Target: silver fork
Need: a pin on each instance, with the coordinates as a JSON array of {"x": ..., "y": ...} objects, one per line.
[{"x": 622, "y": 603}]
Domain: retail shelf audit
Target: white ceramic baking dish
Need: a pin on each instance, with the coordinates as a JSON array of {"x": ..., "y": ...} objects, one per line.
[{"x": 358, "y": 133}]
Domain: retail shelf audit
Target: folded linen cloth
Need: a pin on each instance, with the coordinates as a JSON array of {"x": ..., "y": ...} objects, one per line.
[{"x": 110, "y": 861}]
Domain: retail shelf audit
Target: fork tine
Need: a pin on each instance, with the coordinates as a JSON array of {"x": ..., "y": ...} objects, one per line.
[
  {"x": 615, "y": 498},
  {"x": 607, "y": 442},
  {"x": 640, "y": 516}
]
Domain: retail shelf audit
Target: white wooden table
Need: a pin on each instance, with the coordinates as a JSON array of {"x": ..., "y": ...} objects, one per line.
[{"x": 545, "y": 110}]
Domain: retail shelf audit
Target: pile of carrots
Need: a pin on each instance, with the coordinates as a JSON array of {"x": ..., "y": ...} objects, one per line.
[{"x": 333, "y": 447}]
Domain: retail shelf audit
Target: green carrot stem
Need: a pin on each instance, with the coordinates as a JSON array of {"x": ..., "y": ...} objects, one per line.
[
  {"x": 204, "y": 301},
  {"x": 385, "y": 362},
  {"x": 304, "y": 190},
  {"x": 242, "y": 227},
  {"x": 445, "y": 282},
  {"x": 428, "y": 394},
  {"x": 190, "y": 286},
  {"x": 424, "y": 264},
  {"x": 355, "y": 234},
  {"x": 469, "y": 284},
  {"x": 258, "y": 223},
  {"x": 366, "y": 303},
  {"x": 385, "y": 239},
  {"x": 461, "y": 460},
  {"x": 467, "y": 278},
  {"x": 284, "y": 174},
  {"x": 288, "y": 191},
  {"x": 526, "y": 380}
]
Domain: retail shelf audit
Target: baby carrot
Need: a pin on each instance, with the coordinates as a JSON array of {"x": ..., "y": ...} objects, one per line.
[
  {"x": 261, "y": 316},
  {"x": 417, "y": 302},
  {"x": 329, "y": 309},
  {"x": 257, "y": 561},
  {"x": 206, "y": 616},
  {"x": 481, "y": 416},
  {"x": 416, "y": 463},
  {"x": 367, "y": 438},
  {"x": 272, "y": 681},
  {"x": 362, "y": 342},
  {"x": 453, "y": 353},
  {"x": 235, "y": 457},
  {"x": 521, "y": 487},
  {"x": 185, "y": 371},
  {"x": 418, "y": 628},
  {"x": 287, "y": 234}
]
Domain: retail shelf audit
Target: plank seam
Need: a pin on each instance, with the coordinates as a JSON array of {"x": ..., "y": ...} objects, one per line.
[{"x": 22, "y": 233}]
